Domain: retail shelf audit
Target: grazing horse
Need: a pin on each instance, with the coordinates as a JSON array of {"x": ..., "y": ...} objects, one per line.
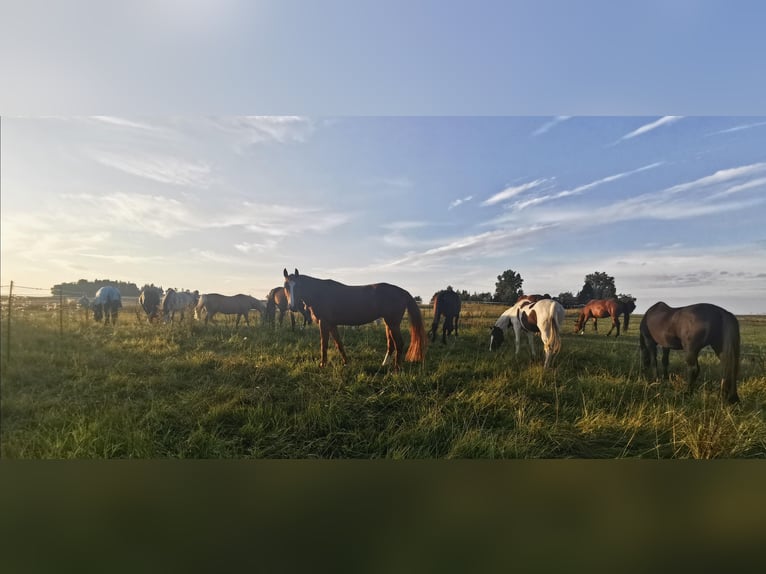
[
  {"x": 83, "y": 302},
  {"x": 601, "y": 308},
  {"x": 181, "y": 301},
  {"x": 239, "y": 305},
  {"x": 446, "y": 303},
  {"x": 107, "y": 304},
  {"x": 149, "y": 299},
  {"x": 544, "y": 316},
  {"x": 277, "y": 299},
  {"x": 334, "y": 304},
  {"x": 690, "y": 329}
]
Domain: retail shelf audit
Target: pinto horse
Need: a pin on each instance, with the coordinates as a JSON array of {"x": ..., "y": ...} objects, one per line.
[
  {"x": 149, "y": 299},
  {"x": 601, "y": 308},
  {"x": 544, "y": 316},
  {"x": 239, "y": 305},
  {"x": 691, "y": 329},
  {"x": 180, "y": 301},
  {"x": 334, "y": 304},
  {"x": 446, "y": 303},
  {"x": 277, "y": 299},
  {"x": 107, "y": 304}
]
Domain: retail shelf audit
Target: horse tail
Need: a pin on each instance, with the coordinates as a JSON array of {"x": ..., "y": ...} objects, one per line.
[
  {"x": 730, "y": 357},
  {"x": 554, "y": 332},
  {"x": 200, "y": 305},
  {"x": 417, "y": 350}
]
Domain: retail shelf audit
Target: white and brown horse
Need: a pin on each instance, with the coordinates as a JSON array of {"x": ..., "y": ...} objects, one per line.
[{"x": 545, "y": 317}]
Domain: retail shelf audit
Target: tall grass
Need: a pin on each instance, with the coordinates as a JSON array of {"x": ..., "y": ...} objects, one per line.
[{"x": 193, "y": 391}]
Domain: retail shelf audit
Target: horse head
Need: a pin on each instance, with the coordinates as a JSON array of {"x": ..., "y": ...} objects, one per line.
[
  {"x": 495, "y": 338},
  {"x": 293, "y": 290}
]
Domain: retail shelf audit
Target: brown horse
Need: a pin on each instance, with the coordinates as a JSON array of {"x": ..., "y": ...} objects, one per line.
[
  {"x": 334, "y": 304},
  {"x": 446, "y": 303},
  {"x": 691, "y": 329},
  {"x": 239, "y": 304},
  {"x": 277, "y": 299},
  {"x": 601, "y": 308}
]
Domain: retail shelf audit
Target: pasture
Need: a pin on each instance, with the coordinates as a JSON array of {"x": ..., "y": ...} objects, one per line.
[{"x": 77, "y": 389}]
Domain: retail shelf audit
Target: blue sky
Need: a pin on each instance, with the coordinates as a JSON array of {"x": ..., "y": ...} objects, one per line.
[{"x": 672, "y": 206}]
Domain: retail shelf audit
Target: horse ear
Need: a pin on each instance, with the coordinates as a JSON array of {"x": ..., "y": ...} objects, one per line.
[
  {"x": 296, "y": 272},
  {"x": 285, "y": 272}
]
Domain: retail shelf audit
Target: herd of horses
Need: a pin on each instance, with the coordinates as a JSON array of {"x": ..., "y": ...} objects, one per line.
[{"x": 331, "y": 304}]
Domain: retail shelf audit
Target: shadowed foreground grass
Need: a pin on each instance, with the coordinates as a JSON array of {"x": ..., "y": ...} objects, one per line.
[{"x": 193, "y": 391}]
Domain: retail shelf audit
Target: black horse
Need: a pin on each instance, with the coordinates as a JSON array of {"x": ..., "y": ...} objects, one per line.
[
  {"x": 690, "y": 329},
  {"x": 446, "y": 303}
]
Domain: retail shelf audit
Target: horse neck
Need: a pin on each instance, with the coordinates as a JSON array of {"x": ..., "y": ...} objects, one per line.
[{"x": 504, "y": 321}]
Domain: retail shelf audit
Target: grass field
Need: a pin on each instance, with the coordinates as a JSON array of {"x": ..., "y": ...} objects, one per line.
[{"x": 76, "y": 389}]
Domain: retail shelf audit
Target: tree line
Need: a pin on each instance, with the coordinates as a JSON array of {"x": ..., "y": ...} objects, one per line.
[
  {"x": 89, "y": 288},
  {"x": 508, "y": 289}
]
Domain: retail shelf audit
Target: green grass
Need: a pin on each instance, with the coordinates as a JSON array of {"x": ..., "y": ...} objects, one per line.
[{"x": 194, "y": 391}]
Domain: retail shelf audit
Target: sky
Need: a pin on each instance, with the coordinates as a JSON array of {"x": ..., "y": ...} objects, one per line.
[{"x": 673, "y": 207}]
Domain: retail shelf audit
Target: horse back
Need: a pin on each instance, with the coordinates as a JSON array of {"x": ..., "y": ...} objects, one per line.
[{"x": 356, "y": 304}]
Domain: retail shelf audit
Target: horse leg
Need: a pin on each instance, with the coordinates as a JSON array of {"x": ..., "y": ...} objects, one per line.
[
  {"x": 398, "y": 342},
  {"x": 338, "y": 343},
  {"x": 247, "y": 318},
  {"x": 692, "y": 368},
  {"x": 324, "y": 333},
  {"x": 292, "y": 320},
  {"x": 447, "y": 327},
  {"x": 390, "y": 346},
  {"x": 595, "y": 324},
  {"x": 615, "y": 323},
  {"x": 665, "y": 363}
]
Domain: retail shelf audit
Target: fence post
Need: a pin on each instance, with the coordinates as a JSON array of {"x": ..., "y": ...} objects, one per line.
[
  {"x": 61, "y": 312},
  {"x": 8, "y": 330}
]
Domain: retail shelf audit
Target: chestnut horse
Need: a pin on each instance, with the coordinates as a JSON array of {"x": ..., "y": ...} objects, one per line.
[
  {"x": 601, "y": 308},
  {"x": 691, "y": 329},
  {"x": 334, "y": 304},
  {"x": 446, "y": 303},
  {"x": 277, "y": 299},
  {"x": 544, "y": 316}
]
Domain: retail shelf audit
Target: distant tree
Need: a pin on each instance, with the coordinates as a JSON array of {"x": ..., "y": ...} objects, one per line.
[
  {"x": 418, "y": 299},
  {"x": 89, "y": 288},
  {"x": 625, "y": 297},
  {"x": 567, "y": 299},
  {"x": 597, "y": 285},
  {"x": 508, "y": 287}
]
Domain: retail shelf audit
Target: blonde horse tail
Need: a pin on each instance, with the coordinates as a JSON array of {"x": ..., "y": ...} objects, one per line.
[
  {"x": 417, "y": 350},
  {"x": 730, "y": 357},
  {"x": 553, "y": 332},
  {"x": 199, "y": 307}
]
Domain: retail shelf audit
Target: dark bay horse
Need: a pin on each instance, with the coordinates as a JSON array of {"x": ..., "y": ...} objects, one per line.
[
  {"x": 690, "y": 329},
  {"x": 334, "y": 304},
  {"x": 239, "y": 305},
  {"x": 601, "y": 308},
  {"x": 149, "y": 299},
  {"x": 446, "y": 303},
  {"x": 107, "y": 304},
  {"x": 277, "y": 299}
]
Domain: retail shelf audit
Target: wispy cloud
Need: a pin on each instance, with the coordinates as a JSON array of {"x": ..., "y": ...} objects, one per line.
[
  {"x": 163, "y": 169},
  {"x": 254, "y": 130},
  {"x": 550, "y": 124},
  {"x": 125, "y": 123},
  {"x": 646, "y": 128},
  {"x": 738, "y": 128},
  {"x": 461, "y": 201},
  {"x": 523, "y": 204},
  {"x": 513, "y": 191}
]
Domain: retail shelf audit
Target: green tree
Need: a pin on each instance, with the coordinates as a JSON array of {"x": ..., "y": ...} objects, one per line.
[
  {"x": 598, "y": 285},
  {"x": 508, "y": 287}
]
